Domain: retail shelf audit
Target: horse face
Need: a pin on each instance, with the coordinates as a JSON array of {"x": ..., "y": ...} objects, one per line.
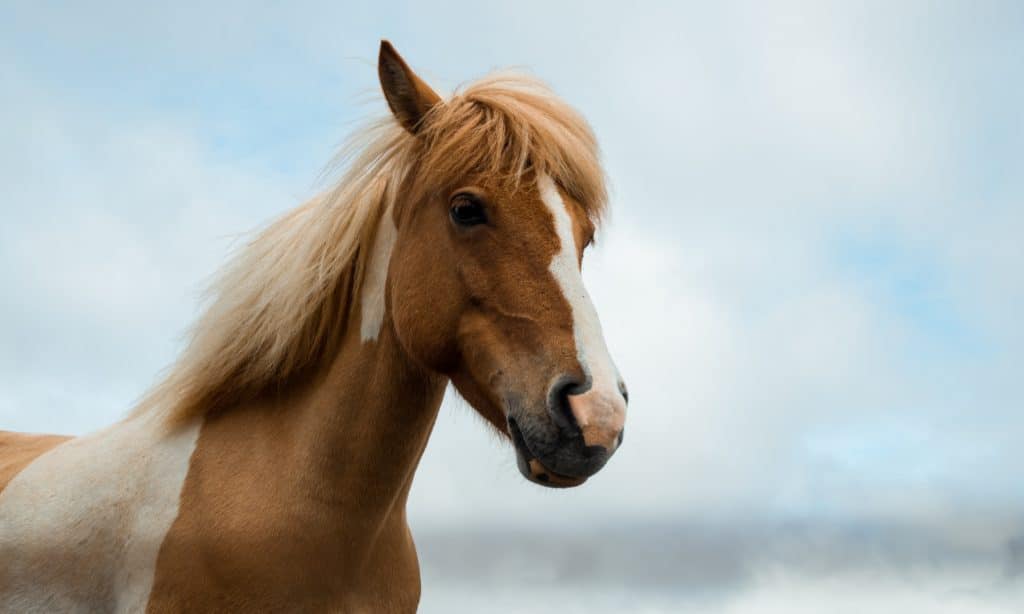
[{"x": 484, "y": 286}]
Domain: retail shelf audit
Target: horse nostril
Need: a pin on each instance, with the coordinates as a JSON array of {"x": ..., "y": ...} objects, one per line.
[{"x": 558, "y": 404}]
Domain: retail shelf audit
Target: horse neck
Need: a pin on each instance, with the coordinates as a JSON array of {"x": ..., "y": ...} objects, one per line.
[
  {"x": 345, "y": 442},
  {"x": 307, "y": 486},
  {"x": 365, "y": 422},
  {"x": 361, "y": 425}
]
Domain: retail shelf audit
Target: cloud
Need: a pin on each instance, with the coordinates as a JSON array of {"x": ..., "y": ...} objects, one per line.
[{"x": 111, "y": 225}]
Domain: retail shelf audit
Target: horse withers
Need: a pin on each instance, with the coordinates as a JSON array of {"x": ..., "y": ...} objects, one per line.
[{"x": 270, "y": 470}]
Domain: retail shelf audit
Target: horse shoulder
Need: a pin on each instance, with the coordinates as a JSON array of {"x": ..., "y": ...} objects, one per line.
[{"x": 80, "y": 525}]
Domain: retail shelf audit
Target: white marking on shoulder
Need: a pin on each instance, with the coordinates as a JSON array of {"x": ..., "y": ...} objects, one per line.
[
  {"x": 81, "y": 526},
  {"x": 372, "y": 295},
  {"x": 591, "y": 350}
]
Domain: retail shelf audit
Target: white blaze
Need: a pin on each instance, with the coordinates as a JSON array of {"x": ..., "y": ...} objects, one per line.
[
  {"x": 591, "y": 350},
  {"x": 81, "y": 526}
]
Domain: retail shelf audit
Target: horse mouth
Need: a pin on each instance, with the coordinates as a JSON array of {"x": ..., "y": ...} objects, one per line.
[{"x": 531, "y": 468}]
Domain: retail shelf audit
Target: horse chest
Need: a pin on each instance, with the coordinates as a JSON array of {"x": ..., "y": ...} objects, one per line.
[
  {"x": 255, "y": 533},
  {"x": 291, "y": 562}
]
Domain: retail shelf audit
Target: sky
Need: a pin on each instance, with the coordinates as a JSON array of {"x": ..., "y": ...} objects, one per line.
[{"x": 811, "y": 278}]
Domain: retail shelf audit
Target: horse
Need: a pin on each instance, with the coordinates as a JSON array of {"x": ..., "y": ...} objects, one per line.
[{"x": 269, "y": 469}]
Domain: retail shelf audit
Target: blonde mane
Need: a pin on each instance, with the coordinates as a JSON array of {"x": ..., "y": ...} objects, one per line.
[{"x": 287, "y": 296}]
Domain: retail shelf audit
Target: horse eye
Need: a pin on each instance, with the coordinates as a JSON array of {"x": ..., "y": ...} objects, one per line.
[{"x": 467, "y": 210}]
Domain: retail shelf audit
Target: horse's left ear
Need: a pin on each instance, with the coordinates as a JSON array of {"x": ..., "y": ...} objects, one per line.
[{"x": 407, "y": 95}]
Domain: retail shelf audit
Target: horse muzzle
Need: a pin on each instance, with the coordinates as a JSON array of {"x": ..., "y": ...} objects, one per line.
[{"x": 573, "y": 439}]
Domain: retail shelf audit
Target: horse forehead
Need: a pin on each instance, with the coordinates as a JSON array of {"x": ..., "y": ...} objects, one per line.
[
  {"x": 534, "y": 217},
  {"x": 565, "y": 217}
]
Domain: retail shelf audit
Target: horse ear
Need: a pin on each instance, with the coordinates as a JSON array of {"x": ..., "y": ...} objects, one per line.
[{"x": 407, "y": 95}]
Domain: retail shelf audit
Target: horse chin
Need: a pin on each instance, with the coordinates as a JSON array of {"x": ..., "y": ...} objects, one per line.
[
  {"x": 533, "y": 470},
  {"x": 539, "y": 474}
]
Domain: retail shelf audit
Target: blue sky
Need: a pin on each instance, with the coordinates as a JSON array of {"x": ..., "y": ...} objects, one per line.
[{"x": 811, "y": 277}]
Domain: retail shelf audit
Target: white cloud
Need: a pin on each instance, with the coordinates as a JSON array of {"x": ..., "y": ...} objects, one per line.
[{"x": 111, "y": 226}]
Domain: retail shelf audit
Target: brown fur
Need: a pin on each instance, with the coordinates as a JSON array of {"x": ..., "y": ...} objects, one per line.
[{"x": 297, "y": 503}]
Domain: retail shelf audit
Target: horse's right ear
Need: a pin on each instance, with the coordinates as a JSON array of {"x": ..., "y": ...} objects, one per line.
[{"x": 407, "y": 95}]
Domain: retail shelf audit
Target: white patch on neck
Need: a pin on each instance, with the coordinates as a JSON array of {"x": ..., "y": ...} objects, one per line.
[
  {"x": 372, "y": 294},
  {"x": 591, "y": 350},
  {"x": 81, "y": 526}
]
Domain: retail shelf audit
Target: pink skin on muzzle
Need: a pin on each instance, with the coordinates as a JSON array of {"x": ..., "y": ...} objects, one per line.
[{"x": 601, "y": 415}]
